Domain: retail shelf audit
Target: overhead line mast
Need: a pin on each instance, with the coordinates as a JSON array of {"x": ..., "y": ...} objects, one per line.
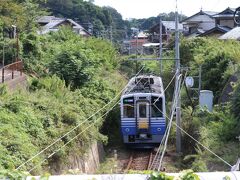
[{"x": 178, "y": 66}]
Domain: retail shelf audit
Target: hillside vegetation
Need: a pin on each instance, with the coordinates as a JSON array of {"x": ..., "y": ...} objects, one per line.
[
  {"x": 72, "y": 78},
  {"x": 217, "y": 130}
]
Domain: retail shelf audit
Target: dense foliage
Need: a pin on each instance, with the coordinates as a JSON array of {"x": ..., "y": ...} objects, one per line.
[
  {"x": 218, "y": 63},
  {"x": 183, "y": 175},
  {"x": 218, "y": 130},
  {"x": 23, "y": 14},
  {"x": 77, "y": 77},
  {"x": 99, "y": 20}
]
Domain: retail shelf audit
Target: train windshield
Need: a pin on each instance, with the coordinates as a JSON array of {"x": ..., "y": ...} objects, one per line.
[
  {"x": 156, "y": 107},
  {"x": 128, "y": 108},
  {"x": 143, "y": 110}
]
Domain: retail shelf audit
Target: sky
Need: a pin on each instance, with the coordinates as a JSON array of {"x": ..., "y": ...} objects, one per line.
[{"x": 149, "y": 8}]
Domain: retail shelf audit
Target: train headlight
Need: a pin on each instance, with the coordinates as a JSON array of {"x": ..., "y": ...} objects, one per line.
[
  {"x": 127, "y": 130},
  {"x": 159, "y": 129}
]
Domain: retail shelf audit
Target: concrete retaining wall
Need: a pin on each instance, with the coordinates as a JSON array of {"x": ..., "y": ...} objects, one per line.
[
  {"x": 77, "y": 164},
  {"x": 18, "y": 82}
]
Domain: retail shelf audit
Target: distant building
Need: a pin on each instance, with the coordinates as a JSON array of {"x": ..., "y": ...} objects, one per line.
[
  {"x": 168, "y": 27},
  {"x": 52, "y": 24},
  {"x": 225, "y": 18},
  {"x": 199, "y": 23},
  {"x": 135, "y": 45}
]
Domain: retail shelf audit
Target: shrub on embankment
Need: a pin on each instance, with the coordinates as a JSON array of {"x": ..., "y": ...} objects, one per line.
[
  {"x": 76, "y": 77},
  {"x": 219, "y": 60}
]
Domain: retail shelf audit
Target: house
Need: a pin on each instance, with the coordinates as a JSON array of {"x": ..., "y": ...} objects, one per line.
[
  {"x": 135, "y": 45},
  {"x": 225, "y": 18},
  {"x": 233, "y": 34},
  {"x": 198, "y": 23},
  {"x": 217, "y": 31},
  {"x": 52, "y": 24},
  {"x": 168, "y": 27}
]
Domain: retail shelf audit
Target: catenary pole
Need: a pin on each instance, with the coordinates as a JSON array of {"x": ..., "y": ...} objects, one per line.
[
  {"x": 160, "y": 44},
  {"x": 178, "y": 107}
]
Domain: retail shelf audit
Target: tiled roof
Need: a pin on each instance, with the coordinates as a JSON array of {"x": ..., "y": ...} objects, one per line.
[
  {"x": 222, "y": 29},
  {"x": 208, "y": 13},
  {"x": 52, "y": 22},
  {"x": 171, "y": 25},
  {"x": 47, "y": 19},
  {"x": 232, "y": 34},
  {"x": 229, "y": 12}
]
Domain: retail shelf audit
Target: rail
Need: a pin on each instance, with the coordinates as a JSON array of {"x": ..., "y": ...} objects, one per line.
[
  {"x": 139, "y": 160},
  {"x": 11, "y": 71}
]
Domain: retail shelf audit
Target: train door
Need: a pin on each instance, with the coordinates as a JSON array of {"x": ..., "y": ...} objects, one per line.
[{"x": 143, "y": 118}]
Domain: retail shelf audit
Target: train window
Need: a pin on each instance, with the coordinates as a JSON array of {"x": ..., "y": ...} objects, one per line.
[
  {"x": 156, "y": 107},
  {"x": 142, "y": 110},
  {"x": 128, "y": 107},
  {"x": 128, "y": 111}
]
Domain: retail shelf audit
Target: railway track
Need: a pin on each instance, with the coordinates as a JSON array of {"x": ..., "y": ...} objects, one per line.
[{"x": 140, "y": 160}]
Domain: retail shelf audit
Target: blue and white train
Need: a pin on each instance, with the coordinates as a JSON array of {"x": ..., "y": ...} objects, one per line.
[{"x": 143, "y": 112}]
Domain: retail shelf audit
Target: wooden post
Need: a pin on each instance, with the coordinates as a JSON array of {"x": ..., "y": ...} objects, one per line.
[{"x": 3, "y": 75}]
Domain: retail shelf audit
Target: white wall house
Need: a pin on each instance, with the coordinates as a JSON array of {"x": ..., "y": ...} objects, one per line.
[
  {"x": 225, "y": 18},
  {"x": 52, "y": 24},
  {"x": 199, "y": 23}
]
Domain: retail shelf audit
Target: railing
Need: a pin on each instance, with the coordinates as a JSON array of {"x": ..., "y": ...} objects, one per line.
[{"x": 11, "y": 71}]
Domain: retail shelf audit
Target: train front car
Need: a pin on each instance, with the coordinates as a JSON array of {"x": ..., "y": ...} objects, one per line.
[{"x": 143, "y": 121}]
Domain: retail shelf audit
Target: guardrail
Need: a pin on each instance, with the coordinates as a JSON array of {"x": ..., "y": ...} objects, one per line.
[{"x": 11, "y": 71}]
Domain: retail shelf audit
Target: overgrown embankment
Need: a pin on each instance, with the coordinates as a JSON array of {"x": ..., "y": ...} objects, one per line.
[
  {"x": 72, "y": 79},
  {"x": 217, "y": 130}
]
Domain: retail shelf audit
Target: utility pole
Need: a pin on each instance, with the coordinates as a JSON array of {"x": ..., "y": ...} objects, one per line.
[
  {"x": 200, "y": 80},
  {"x": 178, "y": 108},
  {"x": 137, "y": 50},
  {"x": 111, "y": 35},
  {"x": 160, "y": 44}
]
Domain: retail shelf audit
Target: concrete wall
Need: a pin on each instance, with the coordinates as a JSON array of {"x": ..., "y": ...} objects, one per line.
[
  {"x": 77, "y": 163},
  {"x": 18, "y": 82}
]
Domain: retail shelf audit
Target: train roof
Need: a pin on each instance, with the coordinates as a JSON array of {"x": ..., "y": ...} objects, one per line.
[{"x": 144, "y": 84}]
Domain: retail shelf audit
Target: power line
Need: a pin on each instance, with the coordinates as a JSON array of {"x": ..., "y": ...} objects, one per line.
[
  {"x": 203, "y": 145},
  {"x": 60, "y": 138},
  {"x": 80, "y": 132},
  {"x": 73, "y": 138},
  {"x": 167, "y": 131},
  {"x": 178, "y": 127}
]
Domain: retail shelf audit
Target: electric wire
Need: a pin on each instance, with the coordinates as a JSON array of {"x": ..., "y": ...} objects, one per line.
[
  {"x": 164, "y": 114},
  {"x": 163, "y": 139},
  {"x": 166, "y": 87},
  {"x": 73, "y": 138},
  {"x": 203, "y": 145},
  {"x": 84, "y": 129},
  {"x": 167, "y": 131},
  {"x": 76, "y": 135},
  {"x": 178, "y": 89},
  {"x": 198, "y": 142},
  {"x": 60, "y": 138}
]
